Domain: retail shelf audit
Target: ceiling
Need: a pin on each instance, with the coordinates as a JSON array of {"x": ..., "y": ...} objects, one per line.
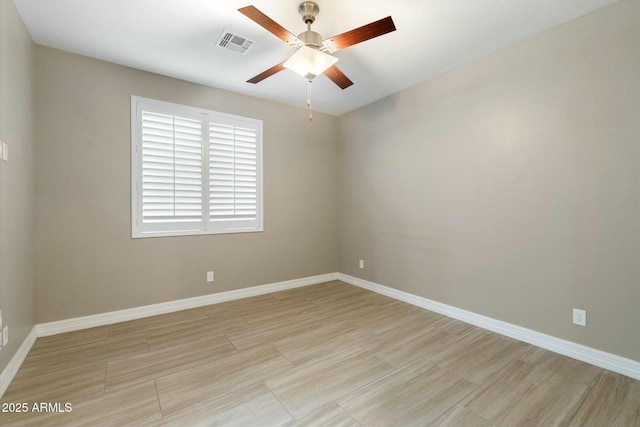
[{"x": 177, "y": 38}]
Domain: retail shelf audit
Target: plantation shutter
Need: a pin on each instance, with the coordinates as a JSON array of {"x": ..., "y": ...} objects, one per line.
[
  {"x": 193, "y": 171},
  {"x": 171, "y": 169},
  {"x": 233, "y": 173}
]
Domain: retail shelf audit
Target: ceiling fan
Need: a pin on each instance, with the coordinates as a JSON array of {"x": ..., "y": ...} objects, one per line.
[{"x": 313, "y": 55}]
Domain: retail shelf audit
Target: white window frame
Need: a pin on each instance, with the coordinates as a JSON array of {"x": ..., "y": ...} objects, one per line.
[{"x": 139, "y": 229}]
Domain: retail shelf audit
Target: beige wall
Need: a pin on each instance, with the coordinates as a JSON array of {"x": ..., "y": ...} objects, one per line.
[
  {"x": 17, "y": 180},
  {"x": 510, "y": 186},
  {"x": 87, "y": 262}
]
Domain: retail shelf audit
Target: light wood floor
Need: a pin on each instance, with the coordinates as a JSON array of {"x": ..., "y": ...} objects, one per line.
[{"x": 330, "y": 354}]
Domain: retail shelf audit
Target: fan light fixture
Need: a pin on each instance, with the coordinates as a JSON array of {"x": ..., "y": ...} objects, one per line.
[{"x": 309, "y": 62}]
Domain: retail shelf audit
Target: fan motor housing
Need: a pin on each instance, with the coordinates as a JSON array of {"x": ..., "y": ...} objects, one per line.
[{"x": 311, "y": 39}]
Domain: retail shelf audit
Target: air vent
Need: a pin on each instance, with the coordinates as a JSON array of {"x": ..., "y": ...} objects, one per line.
[{"x": 234, "y": 42}]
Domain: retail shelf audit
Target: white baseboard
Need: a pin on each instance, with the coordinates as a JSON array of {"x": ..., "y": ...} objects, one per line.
[
  {"x": 602, "y": 359},
  {"x": 7, "y": 374},
  {"x": 77, "y": 323},
  {"x": 612, "y": 362}
]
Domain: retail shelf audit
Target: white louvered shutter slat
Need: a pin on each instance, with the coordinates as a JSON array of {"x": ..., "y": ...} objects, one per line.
[
  {"x": 233, "y": 169},
  {"x": 171, "y": 169}
]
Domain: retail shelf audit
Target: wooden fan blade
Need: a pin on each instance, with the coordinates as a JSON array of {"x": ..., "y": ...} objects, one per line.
[
  {"x": 267, "y": 73},
  {"x": 360, "y": 34},
  {"x": 338, "y": 77},
  {"x": 269, "y": 24}
]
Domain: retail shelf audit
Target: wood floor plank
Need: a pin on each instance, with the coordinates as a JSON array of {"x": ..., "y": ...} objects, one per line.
[
  {"x": 89, "y": 353},
  {"x": 562, "y": 365},
  {"x": 614, "y": 401},
  {"x": 330, "y": 415},
  {"x": 219, "y": 377},
  {"x": 321, "y": 339},
  {"x": 241, "y": 306},
  {"x": 254, "y": 405},
  {"x": 140, "y": 325},
  {"x": 478, "y": 354},
  {"x": 453, "y": 326},
  {"x": 324, "y": 293},
  {"x": 308, "y": 387},
  {"x": 417, "y": 394},
  {"x": 282, "y": 308},
  {"x": 86, "y": 380},
  {"x": 164, "y": 361},
  {"x": 339, "y": 310},
  {"x": 172, "y": 335},
  {"x": 459, "y": 416},
  {"x": 69, "y": 339},
  {"x": 378, "y": 319},
  {"x": 272, "y": 330},
  {"x": 523, "y": 394},
  {"x": 416, "y": 339}
]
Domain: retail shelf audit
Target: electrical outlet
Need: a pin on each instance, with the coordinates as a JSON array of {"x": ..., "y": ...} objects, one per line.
[
  {"x": 361, "y": 264},
  {"x": 579, "y": 317},
  {"x": 5, "y": 336},
  {"x": 209, "y": 276}
]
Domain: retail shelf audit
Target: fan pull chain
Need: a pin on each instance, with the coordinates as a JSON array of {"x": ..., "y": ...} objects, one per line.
[{"x": 309, "y": 100}]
